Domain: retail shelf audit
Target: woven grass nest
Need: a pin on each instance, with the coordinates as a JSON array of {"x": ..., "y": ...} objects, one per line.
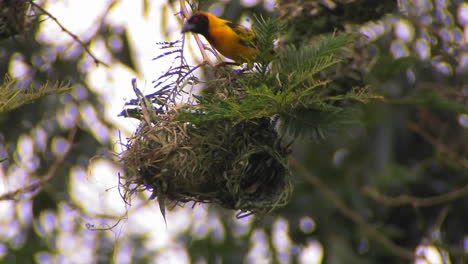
[{"x": 240, "y": 166}]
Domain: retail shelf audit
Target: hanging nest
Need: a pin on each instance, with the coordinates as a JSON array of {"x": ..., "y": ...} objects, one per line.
[
  {"x": 238, "y": 166},
  {"x": 15, "y": 17}
]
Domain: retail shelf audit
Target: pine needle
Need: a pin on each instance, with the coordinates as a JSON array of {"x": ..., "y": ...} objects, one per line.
[{"x": 12, "y": 95}]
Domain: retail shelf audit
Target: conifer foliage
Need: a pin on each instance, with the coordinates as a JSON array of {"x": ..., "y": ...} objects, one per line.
[{"x": 223, "y": 146}]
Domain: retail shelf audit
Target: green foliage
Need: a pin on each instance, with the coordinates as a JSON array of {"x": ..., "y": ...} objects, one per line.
[
  {"x": 124, "y": 52},
  {"x": 266, "y": 31},
  {"x": 411, "y": 153},
  {"x": 316, "y": 122},
  {"x": 386, "y": 67},
  {"x": 283, "y": 84},
  {"x": 437, "y": 100},
  {"x": 13, "y": 96},
  {"x": 406, "y": 151},
  {"x": 314, "y": 56}
]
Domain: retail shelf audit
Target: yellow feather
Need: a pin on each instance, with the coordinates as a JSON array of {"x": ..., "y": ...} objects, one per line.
[{"x": 231, "y": 40}]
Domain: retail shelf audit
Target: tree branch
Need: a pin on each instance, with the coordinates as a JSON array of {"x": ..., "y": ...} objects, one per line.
[
  {"x": 48, "y": 176},
  {"x": 75, "y": 37},
  {"x": 438, "y": 146},
  {"x": 405, "y": 199},
  {"x": 355, "y": 217}
]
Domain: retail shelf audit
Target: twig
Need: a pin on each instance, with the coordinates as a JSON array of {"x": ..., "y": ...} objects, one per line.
[
  {"x": 75, "y": 37},
  {"x": 416, "y": 201},
  {"x": 48, "y": 176},
  {"x": 186, "y": 15},
  {"x": 351, "y": 214},
  {"x": 449, "y": 90},
  {"x": 439, "y": 147},
  {"x": 92, "y": 227}
]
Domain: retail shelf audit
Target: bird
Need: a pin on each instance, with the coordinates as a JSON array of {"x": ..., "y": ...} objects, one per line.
[{"x": 232, "y": 40}]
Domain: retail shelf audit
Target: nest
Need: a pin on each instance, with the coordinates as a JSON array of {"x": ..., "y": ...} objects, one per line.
[
  {"x": 14, "y": 17},
  {"x": 238, "y": 166}
]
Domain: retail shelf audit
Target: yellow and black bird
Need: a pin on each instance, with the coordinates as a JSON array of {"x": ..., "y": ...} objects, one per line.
[{"x": 232, "y": 40}]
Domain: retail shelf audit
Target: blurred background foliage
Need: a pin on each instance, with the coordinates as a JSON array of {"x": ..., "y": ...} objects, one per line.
[{"x": 382, "y": 192}]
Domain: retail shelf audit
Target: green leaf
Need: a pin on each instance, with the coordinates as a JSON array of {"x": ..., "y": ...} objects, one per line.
[
  {"x": 308, "y": 57},
  {"x": 316, "y": 122},
  {"x": 13, "y": 96},
  {"x": 124, "y": 54}
]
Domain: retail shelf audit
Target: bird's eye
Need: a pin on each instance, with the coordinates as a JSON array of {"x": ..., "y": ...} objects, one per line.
[{"x": 195, "y": 20}]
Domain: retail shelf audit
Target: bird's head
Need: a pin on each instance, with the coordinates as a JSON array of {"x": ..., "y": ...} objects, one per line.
[{"x": 197, "y": 23}]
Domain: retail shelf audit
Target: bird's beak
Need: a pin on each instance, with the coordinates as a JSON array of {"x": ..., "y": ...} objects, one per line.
[{"x": 187, "y": 27}]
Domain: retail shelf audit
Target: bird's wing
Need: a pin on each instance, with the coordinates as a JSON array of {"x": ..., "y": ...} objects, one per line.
[{"x": 246, "y": 36}]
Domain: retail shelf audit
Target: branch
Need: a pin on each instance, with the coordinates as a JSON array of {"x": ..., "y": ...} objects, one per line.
[
  {"x": 439, "y": 147},
  {"x": 75, "y": 37},
  {"x": 449, "y": 90},
  {"x": 351, "y": 214},
  {"x": 416, "y": 201},
  {"x": 48, "y": 176}
]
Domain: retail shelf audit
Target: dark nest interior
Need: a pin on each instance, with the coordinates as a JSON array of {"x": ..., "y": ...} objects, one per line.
[{"x": 240, "y": 166}]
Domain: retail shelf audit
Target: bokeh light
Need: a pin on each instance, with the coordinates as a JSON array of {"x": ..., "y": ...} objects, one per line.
[
  {"x": 462, "y": 14},
  {"x": 463, "y": 120},
  {"x": 404, "y": 30},
  {"x": 18, "y": 68},
  {"x": 44, "y": 258},
  {"x": 259, "y": 252},
  {"x": 399, "y": 49},
  {"x": 307, "y": 224},
  {"x": 423, "y": 49},
  {"x": 3, "y": 250},
  {"x": 426, "y": 254},
  {"x": 281, "y": 240},
  {"x": 250, "y": 3},
  {"x": 59, "y": 145},
  {"x": 312, "y": 253}
]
